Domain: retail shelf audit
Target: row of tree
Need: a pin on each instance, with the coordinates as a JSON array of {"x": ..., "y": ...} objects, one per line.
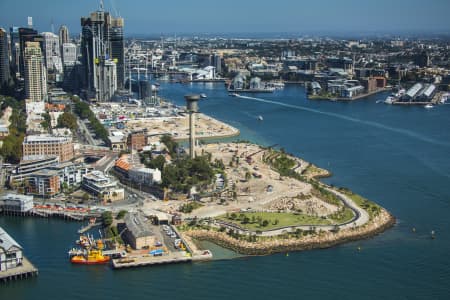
[
  {"x": 11, "y": 150},
  {"x": 83, "y": 110}
]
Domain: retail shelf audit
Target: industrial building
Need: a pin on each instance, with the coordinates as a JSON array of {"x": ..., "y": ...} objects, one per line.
[
  {"x": 37, "y": 146},
  {"x": 419, "y": 93},
  {"x": 139, "y": 234}
]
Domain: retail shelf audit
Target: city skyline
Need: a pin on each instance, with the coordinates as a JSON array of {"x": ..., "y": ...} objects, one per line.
[{"x": 142, "y": 18}]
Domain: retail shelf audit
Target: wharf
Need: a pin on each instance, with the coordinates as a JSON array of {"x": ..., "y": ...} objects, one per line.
[
  {"x": 88, "y": 227},
  {"x": 141, "y": 261},
  {"x": 254, "y": 91},
  {"x": 26, "y": 270}
]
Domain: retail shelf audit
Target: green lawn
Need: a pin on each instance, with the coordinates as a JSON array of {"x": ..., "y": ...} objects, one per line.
[
  {"x": 284, "y": 219},
  {"x": 372, "y": 208}
]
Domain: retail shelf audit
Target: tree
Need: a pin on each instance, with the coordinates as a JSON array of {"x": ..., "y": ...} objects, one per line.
[
  {"x": 156, "y": 163},
  {"x": 68, "y": 120},
  {"x": 85, "y": 197},
  {"x": 265, "y": 223}
]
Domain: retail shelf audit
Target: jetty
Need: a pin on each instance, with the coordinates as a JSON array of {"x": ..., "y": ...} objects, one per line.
[
  {"x": 13, "y": 264},
  {"x": 26, "y": 270}
]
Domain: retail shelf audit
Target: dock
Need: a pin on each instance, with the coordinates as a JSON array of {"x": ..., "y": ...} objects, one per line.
[
  {"x": 142, "y": 261},
  {"x": 88, "y": 227},
  {"x": 26, "y": 270}
]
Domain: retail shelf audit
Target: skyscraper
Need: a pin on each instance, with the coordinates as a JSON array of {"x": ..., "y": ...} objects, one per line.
[
  {"x": 26, "y": 35},
  {"x": 4, "y": 58},
  {"x": 35, "y": 75},
  {"x": 117, "y": 49},
  {"x": 97, "y": 52},
  {"x": 63, "y": 34},
  {"x": 51, "y": 52},
  {"x": 15, "y": 48}
]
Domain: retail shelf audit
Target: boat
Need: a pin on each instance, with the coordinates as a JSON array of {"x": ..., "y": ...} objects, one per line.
[
  {"x": 429, "y": 105},
  {"x": 203, "y": 95},
  {"x": 92, "y": 257},
  {"x": 233, "y": 94},
  {"x": 260, "y": 118},
  {"x": 390, "y": 99}
]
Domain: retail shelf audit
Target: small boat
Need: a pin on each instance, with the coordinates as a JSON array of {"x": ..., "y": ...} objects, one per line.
[
  {"x": 390, "y": 100},
  {"x": 429, "y": 105},
  {"x": 260, "y": 118},
  {"x": 233, "y": 94},
  {"x": 203, "y": 95}
]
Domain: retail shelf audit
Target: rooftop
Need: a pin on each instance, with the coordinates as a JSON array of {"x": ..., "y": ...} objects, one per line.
[
  {"x": 137, "y": 224},
  {"x": 45, "y": 138},
  {"x": 6, "y": 241}
]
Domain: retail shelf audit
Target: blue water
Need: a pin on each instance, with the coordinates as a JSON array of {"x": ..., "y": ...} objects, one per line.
[{"x": 396, "y": 156}]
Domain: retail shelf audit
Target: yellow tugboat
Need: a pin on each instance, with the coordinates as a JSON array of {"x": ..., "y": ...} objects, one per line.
[{"x": 93, "y": 257}]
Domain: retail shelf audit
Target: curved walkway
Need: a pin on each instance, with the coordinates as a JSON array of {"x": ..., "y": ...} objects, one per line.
[{"x": 360, "y": 218}]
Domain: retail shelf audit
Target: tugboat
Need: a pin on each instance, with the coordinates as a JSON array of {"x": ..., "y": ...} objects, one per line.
[{"x": 93, "y": 257}]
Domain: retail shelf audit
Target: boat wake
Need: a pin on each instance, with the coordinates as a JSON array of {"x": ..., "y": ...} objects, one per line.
[{"x": 403, "y": 132}]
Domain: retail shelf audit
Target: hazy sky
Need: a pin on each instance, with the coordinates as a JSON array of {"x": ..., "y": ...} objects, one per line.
[{"x": 208, "y": 16}]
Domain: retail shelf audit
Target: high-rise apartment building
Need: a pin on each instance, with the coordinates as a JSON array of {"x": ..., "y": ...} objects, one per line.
[
  {"x": 35, "y": 75},
  {"x": 26, "y": 35},
  {"x": 4, "y": 57}
]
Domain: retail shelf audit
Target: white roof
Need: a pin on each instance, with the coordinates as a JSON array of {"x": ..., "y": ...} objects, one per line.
[{"x": 6, "y": 241}]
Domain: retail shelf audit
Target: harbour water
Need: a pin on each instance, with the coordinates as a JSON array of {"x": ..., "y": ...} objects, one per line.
[{"x": 398, "y": 157}]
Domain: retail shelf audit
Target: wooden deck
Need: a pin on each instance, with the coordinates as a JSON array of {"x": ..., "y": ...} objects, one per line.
[{"x": 26, "y": 270}]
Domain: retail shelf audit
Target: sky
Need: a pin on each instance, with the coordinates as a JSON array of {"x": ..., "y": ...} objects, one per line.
[{"x": 239, "y": 16}]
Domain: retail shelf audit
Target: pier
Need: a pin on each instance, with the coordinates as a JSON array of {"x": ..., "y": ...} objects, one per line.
[
  {"x": 26, "y": 270},
  {"x": 148, "y": 260}
]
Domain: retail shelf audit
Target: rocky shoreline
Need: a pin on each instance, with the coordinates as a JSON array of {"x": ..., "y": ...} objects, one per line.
[{"x": 383, "y": 221}]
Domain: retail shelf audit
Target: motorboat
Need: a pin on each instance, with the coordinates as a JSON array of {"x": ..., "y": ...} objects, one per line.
[
  {"x": 260, "y": 118},
  {"x": 429, "y": 106},
  {"x": 203, "y": 95},
  {"x": 390, "y": 100}
]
